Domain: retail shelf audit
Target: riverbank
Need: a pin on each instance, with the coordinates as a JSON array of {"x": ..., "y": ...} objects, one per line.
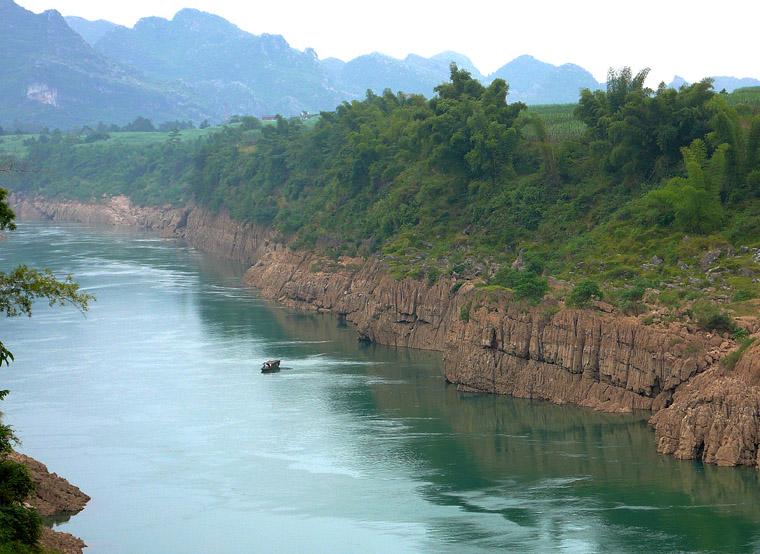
[
  {"x": 53, "y": 497},
  {"x": 490, "y": 344}
]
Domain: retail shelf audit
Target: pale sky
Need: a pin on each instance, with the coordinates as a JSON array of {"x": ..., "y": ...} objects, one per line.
[{"x": 693, "y": 39}]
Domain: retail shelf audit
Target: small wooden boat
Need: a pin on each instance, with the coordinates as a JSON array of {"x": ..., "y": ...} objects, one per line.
[{"x": 270, "y": 366}]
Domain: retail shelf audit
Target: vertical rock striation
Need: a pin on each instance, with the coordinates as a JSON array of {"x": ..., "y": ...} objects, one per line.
[
  {"x": 572, "y": 356},
  {"x": 606, "y": 363},
  {"x": 716, "y": 417}
]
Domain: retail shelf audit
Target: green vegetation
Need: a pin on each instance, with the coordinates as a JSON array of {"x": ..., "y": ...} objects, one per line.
[
  {"x": 711, "y": 318},
  {"x": 584, "y": 292},
  {"x": 150, "y": 167},
  {"x": 525, "y": 284},
  {"x": 745, "y": 99},
  {"x": 560, "y": 120},
  {"x": 629, "y": 188},
  {"x": 464, "y": 313},
  {"x": 731, "y": 360}
]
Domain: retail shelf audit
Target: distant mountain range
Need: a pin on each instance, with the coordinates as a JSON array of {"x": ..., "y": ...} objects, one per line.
[
  {"x": 62, "y": 72},
  {"x": 52, "y": 77},
  {"x": 729, "y": 84}
]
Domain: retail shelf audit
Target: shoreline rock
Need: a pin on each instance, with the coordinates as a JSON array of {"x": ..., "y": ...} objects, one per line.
[
  {"x": 592, "y": 359},
  {"x": 716, "y": 417},
  {"x": 54, "y": 496}
]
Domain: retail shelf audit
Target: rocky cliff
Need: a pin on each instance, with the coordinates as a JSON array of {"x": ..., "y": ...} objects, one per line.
[
  {"x": 54, "y": 496},
  {"x": 490, "y": 343},
  {"x": 211, "y": 233},
  {"x": 716, "y": 416},
  {"x": 565, "y": 356}
]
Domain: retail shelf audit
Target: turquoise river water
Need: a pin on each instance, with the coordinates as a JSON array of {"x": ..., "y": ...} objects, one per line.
[{"x": 153, "y": 404}]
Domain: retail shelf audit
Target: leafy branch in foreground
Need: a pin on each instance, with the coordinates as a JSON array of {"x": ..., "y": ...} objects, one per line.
[
  {"x": 6, "y": 214},
  {"x": 22, "y": 286}
]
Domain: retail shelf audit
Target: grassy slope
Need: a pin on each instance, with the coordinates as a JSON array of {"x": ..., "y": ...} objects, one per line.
[{"x": 596, "y": 241}]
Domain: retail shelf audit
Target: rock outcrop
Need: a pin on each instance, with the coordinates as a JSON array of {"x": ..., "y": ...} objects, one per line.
[
  {"x": 490, "y": 344},
  {"x": 572, "y": 356},
  {"x": 53, "y": 496},
  {"x": 716, "y": 416},
  {"x": 117, "y": 210}
]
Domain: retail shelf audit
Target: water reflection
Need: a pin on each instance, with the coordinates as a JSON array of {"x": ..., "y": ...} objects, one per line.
[
  {"x": 520, "y": 459},
  {"x": 58, "y": 519}
]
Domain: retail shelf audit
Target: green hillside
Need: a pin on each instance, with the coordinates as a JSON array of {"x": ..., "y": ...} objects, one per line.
[{"x": 651, "y": 194}]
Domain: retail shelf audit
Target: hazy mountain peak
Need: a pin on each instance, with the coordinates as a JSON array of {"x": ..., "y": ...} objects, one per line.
[
  {"x": 720, "y": 82},
  {"x": 277, "y": 41},
  {"x": 379, "y": 55},
  {"x": 52, "y": 15},
  {"x": 571, "y": 66},
  {"x": 536, "y": 82},
  {"x": 59, "y": 80},
  {"x": 151, "y": 22},
  {"x": 462, "y": 61},
  {"x": 198, "y": 20},
  {"x": 90, "y": 31}
]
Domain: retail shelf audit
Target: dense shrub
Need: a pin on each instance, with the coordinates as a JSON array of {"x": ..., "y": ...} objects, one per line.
[
  {"x": 710, "y": 318},
  {"x": 464, "y": 313},
  {"x": 583, "y": 293},
  {"x": 524, "y": 284}
]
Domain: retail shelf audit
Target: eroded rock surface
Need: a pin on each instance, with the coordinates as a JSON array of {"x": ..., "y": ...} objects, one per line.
[
  {"x": 54, "y": 495},
  {"x": 215, "y": 233},
  {"x": 716, "y": 417},
  {"x": 599, "y": 361}
]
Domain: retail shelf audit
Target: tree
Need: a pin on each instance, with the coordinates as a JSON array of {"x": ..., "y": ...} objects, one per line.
[
  {"x": 140, "y": 125},
  {"x": 173, "y": 140},
  {"x": 584, "y": 292},
  {"x": 636, "y": 133},
  {"x": 21, "y": 526},
  {"x": 22, "y": 286}
]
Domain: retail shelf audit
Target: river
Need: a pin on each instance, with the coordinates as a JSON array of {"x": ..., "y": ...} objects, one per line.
[{"x": 153, "y": 404}]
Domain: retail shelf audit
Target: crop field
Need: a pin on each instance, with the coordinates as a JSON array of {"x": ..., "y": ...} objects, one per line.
[
  {"x": 749, "y": 96},
  {"x": 13, "y": 145},
  {"x": 560, "y": 121}
]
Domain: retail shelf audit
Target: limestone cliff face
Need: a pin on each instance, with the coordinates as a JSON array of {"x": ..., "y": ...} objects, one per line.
[
  {"x": 117, "y": 210},
  {"x": 565, "y": 356},
  {"x": 385, "y": 310},
  {"x": 606, "y": 363},
  {"x": 610, "y": 364},
  {"x": 215, "y": 233},
  {"x": 716, "y": 417}
]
